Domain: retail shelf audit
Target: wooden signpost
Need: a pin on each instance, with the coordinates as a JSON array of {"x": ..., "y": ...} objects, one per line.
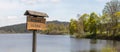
[{"x": 35, "y": 21}]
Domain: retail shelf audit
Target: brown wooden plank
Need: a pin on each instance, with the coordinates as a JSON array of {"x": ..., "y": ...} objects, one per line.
[
  {"x": 36, "y": 23},
  {"x": 35, "y": 26}
]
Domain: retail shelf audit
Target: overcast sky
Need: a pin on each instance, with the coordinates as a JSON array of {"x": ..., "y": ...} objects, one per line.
[{"x": 12, "y": 11}]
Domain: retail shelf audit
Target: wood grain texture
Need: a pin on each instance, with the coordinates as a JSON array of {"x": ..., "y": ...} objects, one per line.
[{"x": 34, "y": 23}]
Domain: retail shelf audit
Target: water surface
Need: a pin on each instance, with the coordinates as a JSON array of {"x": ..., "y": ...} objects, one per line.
[
  {"x": 23, "y": 43},
  {"x": 92, "y": 45},
  {"x": 55, "y": 43}
]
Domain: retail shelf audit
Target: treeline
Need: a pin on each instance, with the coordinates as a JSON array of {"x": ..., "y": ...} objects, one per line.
[
  {"x": 18, "y": 28},
  {"x": 57, "y": 28},
  {"x": 105, "y": 26}
]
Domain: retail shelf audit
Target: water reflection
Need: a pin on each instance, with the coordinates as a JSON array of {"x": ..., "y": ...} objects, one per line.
[
  {"x": 108, "y": 49},
  {"x": 94, "y": 45}
]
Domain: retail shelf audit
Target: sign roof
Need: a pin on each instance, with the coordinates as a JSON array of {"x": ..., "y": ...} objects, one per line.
[{"x": 34, "y": 13}]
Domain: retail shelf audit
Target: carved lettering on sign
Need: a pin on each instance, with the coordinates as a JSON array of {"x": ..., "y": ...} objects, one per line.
[{"x": 36, "y": 23}]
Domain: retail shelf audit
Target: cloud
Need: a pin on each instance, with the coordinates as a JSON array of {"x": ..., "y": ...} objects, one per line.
[
  {"x": 7, "y": 6},
  {"x": 29, "y": 1},
  {"x": 12, "y": 17},
  {"x": 40, "y": 1},
  {"x": 103, "y": 0},
  {"x": 10, "y": 20},
  {"x": 55, "y": 1}
]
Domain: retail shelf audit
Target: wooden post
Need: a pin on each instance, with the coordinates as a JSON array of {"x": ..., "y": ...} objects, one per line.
[{"x": 34, "y": 41}]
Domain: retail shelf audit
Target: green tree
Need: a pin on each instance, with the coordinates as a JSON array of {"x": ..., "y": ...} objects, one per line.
[
  {"x": 117, "y": 27},
  {"x": 93, "y": 23},
  {"x": 104, "y": 21},
  {"x": 117, "y": 14},
  {"x": 82, "y": 24},
  {"x": 84, "y": 20},
  {"x": 73, "y": 26}
]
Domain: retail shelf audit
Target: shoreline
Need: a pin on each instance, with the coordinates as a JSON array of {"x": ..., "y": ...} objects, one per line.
[{"x": 114, "y": 38}]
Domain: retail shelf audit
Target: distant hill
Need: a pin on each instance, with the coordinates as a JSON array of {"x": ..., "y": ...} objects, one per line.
[
  {"x": 58, "y": 22},
  {"x": 21, "y": 28}
]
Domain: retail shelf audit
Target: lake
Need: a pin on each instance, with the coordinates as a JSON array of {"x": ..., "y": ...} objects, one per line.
[{"x": 55, "y": 43}]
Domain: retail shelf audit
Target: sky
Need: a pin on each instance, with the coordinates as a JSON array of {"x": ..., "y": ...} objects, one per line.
[{"x": 12, "y": 11}]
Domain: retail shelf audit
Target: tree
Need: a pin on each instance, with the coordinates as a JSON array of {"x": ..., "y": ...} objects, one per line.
[
  {"x": 111, "y": 8},
  {"x": 104, "y": 21},
  {"x": 117, "y": 27},
  {"x": 82, "y": 24},
  {"x": 73, "y": 26},
  {"x": 117, "y": 14},
  {"x": 84, "y": 19},
  {"x": 93, "y": 23}
]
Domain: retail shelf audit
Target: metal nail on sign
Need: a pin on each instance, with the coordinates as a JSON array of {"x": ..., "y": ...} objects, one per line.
[{"x": 36, "y": 20}]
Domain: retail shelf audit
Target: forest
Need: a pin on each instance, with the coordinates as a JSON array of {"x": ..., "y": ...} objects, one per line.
[{"x": 98, "y": 26}]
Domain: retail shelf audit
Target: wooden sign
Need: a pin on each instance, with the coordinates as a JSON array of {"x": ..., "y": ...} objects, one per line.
[
  {"x": 36, "y": 23},
  {"x": 35, "y": 20}
]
